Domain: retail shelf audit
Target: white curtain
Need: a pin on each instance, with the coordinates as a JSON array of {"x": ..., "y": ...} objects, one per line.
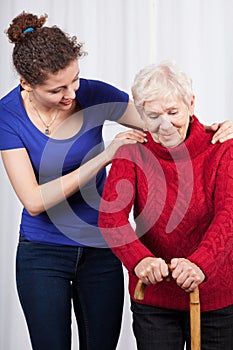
[{"x": 121, "y": 37}]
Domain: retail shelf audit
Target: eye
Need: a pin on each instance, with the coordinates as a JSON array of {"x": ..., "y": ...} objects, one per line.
[
  {"x": 173, "y": 112},
  {"x": 76, "y": 78},
  {"x": 55, "y": 91},
  {"x": 153, "y": 116}
]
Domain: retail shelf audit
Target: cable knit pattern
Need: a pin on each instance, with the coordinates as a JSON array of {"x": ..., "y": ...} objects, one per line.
[{"x": 182, "y": 201}]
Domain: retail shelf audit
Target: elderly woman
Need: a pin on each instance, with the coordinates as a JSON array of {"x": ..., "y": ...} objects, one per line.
[{"x": 181, "y": 187}]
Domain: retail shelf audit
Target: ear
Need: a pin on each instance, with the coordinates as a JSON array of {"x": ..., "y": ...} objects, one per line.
[
  {"x": 192, "y": 106},
  {"x": 25, "y": 85}
]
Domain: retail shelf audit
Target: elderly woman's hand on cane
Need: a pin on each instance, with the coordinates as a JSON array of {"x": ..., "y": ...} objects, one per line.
[{"x": 178, "y": 268}]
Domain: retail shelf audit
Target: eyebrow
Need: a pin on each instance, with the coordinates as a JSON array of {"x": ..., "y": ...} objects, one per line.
[
  {"x": 159, "y": 112},
  {"x": 171, "y": 107},
  {"x": 63, "y": 86}
]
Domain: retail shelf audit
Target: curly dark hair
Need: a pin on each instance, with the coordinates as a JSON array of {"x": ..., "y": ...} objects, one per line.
[{"x": 42, "y": 50}]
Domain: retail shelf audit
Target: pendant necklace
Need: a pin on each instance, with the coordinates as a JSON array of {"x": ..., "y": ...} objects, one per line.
[{"x": 46, "y": 125}]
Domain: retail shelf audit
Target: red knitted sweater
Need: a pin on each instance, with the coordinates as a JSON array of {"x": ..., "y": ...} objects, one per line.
[{"x": 183, "y": 207}]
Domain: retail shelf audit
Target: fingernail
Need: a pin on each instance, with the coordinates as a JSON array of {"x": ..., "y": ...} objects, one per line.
[{"x": 145, "y": 140}]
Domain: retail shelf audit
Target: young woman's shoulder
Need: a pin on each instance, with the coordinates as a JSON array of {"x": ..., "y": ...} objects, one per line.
[
  {"x": 97, "y": 91},
  {"x": 11, "y": 112},
  {"x": 10, "y": 102}
]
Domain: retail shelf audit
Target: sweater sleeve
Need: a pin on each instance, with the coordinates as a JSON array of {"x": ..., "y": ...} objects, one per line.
[
  {"x": 217, "y": 242},
  {"x": 117, "y": 201}
]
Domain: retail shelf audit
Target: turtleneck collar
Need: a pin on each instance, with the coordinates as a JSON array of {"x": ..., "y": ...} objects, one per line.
[{"x": 197, "y": 139}]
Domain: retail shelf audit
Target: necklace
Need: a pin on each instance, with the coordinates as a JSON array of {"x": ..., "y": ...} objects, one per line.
[{"x": 46, "y": 125}]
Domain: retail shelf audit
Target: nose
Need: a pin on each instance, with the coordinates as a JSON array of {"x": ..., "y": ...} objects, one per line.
[
  {"x": 165, "y": 124},
  {"x": 69, "y": 94}
]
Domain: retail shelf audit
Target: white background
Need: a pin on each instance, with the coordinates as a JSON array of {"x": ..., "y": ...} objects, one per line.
[{"x": 121, "y": 37}]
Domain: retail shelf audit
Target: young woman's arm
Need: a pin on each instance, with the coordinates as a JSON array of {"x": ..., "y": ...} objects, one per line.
[
  {"x": 38, "y": 198},
  {"x": 224, "y": 131},
  {"x": 131, "y": 117}
]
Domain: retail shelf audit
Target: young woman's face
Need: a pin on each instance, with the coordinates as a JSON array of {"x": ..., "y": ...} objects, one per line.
[
  {"x": 58, "y": 91},
  {"x": 168, "y": 120}
]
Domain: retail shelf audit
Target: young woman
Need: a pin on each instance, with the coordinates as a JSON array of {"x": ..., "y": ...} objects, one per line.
[{"x": 52, "y": 148}]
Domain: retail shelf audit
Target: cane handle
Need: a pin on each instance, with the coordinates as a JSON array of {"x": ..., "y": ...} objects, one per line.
[{"x": 139, "y": 292}]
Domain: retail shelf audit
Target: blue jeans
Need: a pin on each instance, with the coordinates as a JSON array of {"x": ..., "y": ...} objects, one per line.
[
  {"x": 163, "y": 329},
  {"x": 49, "y": 278}
]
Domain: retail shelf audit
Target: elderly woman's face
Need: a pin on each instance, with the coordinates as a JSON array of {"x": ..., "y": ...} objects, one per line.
[{"x": 167, "y": 120}]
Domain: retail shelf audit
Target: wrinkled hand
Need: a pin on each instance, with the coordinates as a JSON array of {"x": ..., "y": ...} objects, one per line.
[
  {"x": 224, "y": 131},
  {"x": 151, "y": 270},
  {"x": 123, "y": 138},
  {"x": 186, "y": 274}
]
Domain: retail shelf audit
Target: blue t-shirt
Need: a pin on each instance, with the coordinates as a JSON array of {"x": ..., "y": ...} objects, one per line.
[{"x": 73, "y": 221}]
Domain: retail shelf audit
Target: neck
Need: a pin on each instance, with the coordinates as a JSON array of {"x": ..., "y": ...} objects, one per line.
[
  {"x": 47, "y": 112},
  {"x": 43, "y": 118},
  {"x": 68, "y": 129}
]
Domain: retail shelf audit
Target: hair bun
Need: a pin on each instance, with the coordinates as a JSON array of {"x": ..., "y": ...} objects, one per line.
[{"x": 24, "y": 24}]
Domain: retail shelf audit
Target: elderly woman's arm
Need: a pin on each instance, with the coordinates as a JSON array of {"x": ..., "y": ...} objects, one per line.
[
  {"x": 117, "y": 200},
  {"x": 217, "y": 243}
]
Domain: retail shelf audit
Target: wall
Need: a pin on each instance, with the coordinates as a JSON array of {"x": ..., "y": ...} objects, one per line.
[{"x": 121, "y": 37}]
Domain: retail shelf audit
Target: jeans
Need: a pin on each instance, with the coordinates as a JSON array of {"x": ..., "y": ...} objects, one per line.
[
  {"x": 163, "y": 329},
  {"x": 52, "y": 278}
]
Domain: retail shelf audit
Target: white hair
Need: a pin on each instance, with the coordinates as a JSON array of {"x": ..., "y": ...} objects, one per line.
[{"x": 160, "y": 82}]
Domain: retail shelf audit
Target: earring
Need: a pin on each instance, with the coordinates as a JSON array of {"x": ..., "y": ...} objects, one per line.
[{"x": 191, "y": 119}]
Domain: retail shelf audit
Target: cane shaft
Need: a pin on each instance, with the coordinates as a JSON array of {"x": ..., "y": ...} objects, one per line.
[{"x": 195, "y": 320}]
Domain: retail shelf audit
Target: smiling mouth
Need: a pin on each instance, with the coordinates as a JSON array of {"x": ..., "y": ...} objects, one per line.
[
  {"x": 67, "y": 103},
  {"x": 166, "y": 136}
]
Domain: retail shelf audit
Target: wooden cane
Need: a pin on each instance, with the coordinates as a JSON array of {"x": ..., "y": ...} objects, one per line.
[
  {"x": 195, "y": 317},
  {"x": 139, "y": 291}
]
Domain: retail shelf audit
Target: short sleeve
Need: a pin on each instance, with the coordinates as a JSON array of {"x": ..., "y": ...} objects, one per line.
[
  {"x": 9, "y": 130},
  {"x": 108, "y": 101}
]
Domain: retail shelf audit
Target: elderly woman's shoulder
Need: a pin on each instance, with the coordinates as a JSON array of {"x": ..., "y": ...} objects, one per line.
[{"x": 130, "y": 151}]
